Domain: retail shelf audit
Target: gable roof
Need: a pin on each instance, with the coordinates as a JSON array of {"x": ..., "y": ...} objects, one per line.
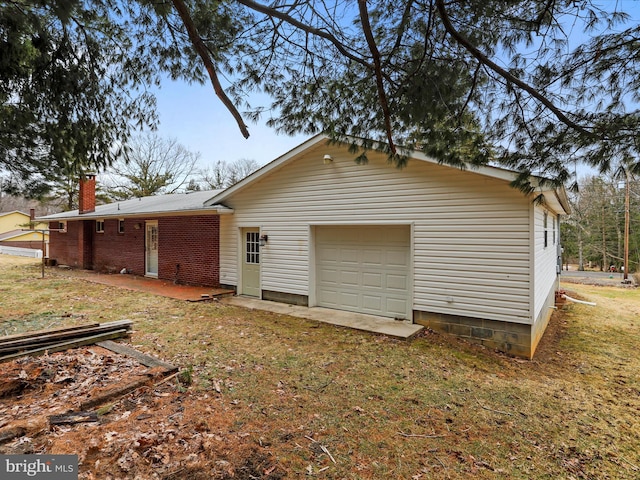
[
  {"x": 156, "y": 205},
  {"x": 2, "y": 214},
  {"x": 554, "y": 198},
  {"x": 15, "y": 234}
]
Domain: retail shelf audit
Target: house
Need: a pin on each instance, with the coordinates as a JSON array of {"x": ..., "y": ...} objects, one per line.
[
  {"x": 459, "y": 251},
  {"x": 17, "y": 230},
  {"x": 172, "y": 237}
]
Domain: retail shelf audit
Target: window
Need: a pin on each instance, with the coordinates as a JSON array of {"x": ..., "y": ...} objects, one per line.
[
  {"x": 62, "y": 227},
  {"x": 121, "y": 225},
  {"x": 545, "y": 227},
  {"x": 100, "y": 226},
  {"x": 554, "y": 230},
  {"x": 253, "y": 247}
]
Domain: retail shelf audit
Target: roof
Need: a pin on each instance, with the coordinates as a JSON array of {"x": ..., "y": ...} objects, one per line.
[
  {"x": 554, "y": 198},
  {"x": 156, "y": 205},
  {"x": 16, "y": 233},
  {"x": 2, "y": 214},
  {"x": 10, "y": 234}
]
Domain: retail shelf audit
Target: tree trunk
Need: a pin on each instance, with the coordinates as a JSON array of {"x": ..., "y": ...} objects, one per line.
[
  {"x": 604, "y": 241},
  {"x": 580, "y": 257}
]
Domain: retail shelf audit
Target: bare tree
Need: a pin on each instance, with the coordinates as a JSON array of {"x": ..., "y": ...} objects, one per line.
[
  {"x": 215, "y": 176},
  {"x": 224, "y": 175},
  {"x": 153, "y": 166}
]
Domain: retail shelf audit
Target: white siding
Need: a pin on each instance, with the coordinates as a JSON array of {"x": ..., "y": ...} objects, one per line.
[
  {"x": 471, "y": 232},
  {"x": 545, "y": 272}
]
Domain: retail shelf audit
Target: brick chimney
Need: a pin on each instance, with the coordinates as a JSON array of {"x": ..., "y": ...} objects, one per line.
[
  {"x": 32, "y": 218},
  {"x": 87, "y": 194}
]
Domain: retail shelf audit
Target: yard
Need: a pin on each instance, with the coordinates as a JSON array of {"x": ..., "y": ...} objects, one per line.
[{"x": 262, "y": 395}]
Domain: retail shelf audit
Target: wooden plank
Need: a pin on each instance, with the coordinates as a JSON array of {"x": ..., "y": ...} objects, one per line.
[
  {"x": 144, "y": 359},
  {"x": 66, "y": 345},
  {"x": 36, "y": 333},
  {"x": 73, "y": 417},
  {"x": 10, "y": 433},
  {"x": 117, "y": 392},
  {"x": 57, "y": 337},
  {"x": 62, "y": 332}
]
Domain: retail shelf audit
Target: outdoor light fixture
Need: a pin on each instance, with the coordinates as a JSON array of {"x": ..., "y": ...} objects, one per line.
[
  {"x": 263, "y": 240},
  {"x": 327, "y": 159},
  {"x": 137, "y": 226}
]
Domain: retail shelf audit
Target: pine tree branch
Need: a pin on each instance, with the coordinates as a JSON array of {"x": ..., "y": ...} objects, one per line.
[
  {"x": 482, "y": 58},
  {"x": 382, "y": 97},
  {"x": 203, "y": 52},
  {"x": 274, "y": 13}
]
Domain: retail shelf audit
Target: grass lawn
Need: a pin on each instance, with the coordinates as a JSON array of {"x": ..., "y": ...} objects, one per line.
[{"x": 292, "y": 398}]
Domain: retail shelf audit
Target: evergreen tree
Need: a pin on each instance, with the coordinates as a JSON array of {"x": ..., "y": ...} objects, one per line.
[
  {"x": 75, "y": 78},
  {"x": 534, "y": 85}
]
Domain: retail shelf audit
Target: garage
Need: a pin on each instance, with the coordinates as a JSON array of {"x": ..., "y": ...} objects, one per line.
[{"x": 364, "y": 269}]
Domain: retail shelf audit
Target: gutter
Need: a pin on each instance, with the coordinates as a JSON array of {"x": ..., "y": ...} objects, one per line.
[{"x": 220, "y": 210}]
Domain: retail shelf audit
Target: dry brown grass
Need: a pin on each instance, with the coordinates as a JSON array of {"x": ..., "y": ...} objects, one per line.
[{"x": 287, "y": 398}]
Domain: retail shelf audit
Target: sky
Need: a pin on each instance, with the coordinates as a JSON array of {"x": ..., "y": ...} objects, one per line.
[{"x": 197, "y": 119}]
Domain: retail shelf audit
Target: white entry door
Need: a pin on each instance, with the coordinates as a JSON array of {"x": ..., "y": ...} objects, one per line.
[
  {"x": 151, "y": 249},
  {"x": 364, "y": 269},
  {"x": 251, "y": 262}
]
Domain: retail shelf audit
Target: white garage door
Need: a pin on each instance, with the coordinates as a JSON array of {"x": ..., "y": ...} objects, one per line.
[{"x": 364, "y": 269}]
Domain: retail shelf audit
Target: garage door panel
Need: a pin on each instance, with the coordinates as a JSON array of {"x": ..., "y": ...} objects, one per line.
[
  {"x": 350, "y": 278},
  {"x": 372, "y": 257},
  {"x": 395, "y": 258},
  {"x": 331, "y": 298},
  {"x": 397, "y": 306},
  {"x": 349, "y": 256},
  {"x": 329, "y": 276},
  {"x": 364, "y": 269},
  {"x": 349, "y": 299},
  {"x": 397, "y": 282},
  {"x": 330, "y": 253},
  {"x": 372, "y": 280},
  {"x": 372, "y": 303}
]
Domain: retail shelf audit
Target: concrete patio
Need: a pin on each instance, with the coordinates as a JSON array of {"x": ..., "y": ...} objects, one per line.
[{"x": 358, "y": 321}]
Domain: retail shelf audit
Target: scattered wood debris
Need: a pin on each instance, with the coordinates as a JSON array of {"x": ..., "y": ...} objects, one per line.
[
  {"x": 73, "y": 417},
  {"x": 80, "y": 379},
  {"x": 56, "y": 340}
]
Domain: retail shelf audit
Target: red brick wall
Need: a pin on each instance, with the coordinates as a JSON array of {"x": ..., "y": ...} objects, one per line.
[
  {"x": 190, "y": 242},
  {"x": 113, "y": 251},
  {"x": 63, "y": 246},
  {"x": 193, "y": 244}
]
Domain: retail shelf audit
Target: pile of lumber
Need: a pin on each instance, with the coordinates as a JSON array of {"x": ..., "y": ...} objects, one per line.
[{"x": 58, "y": 339}]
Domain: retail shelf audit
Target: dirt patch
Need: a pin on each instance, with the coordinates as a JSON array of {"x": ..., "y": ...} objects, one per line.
[{"x": 157, "y": 431}]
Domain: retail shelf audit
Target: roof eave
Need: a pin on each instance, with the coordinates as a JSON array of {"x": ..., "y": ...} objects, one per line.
[{"x": 218, "y": 209}]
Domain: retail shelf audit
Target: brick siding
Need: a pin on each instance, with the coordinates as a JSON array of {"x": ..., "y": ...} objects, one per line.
[
  {"x": 188, "y": 247},
  {"x": 63, "y": 246}
]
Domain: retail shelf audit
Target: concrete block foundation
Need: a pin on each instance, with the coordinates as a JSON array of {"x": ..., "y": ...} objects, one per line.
[{"x": 512, "y": 338}]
